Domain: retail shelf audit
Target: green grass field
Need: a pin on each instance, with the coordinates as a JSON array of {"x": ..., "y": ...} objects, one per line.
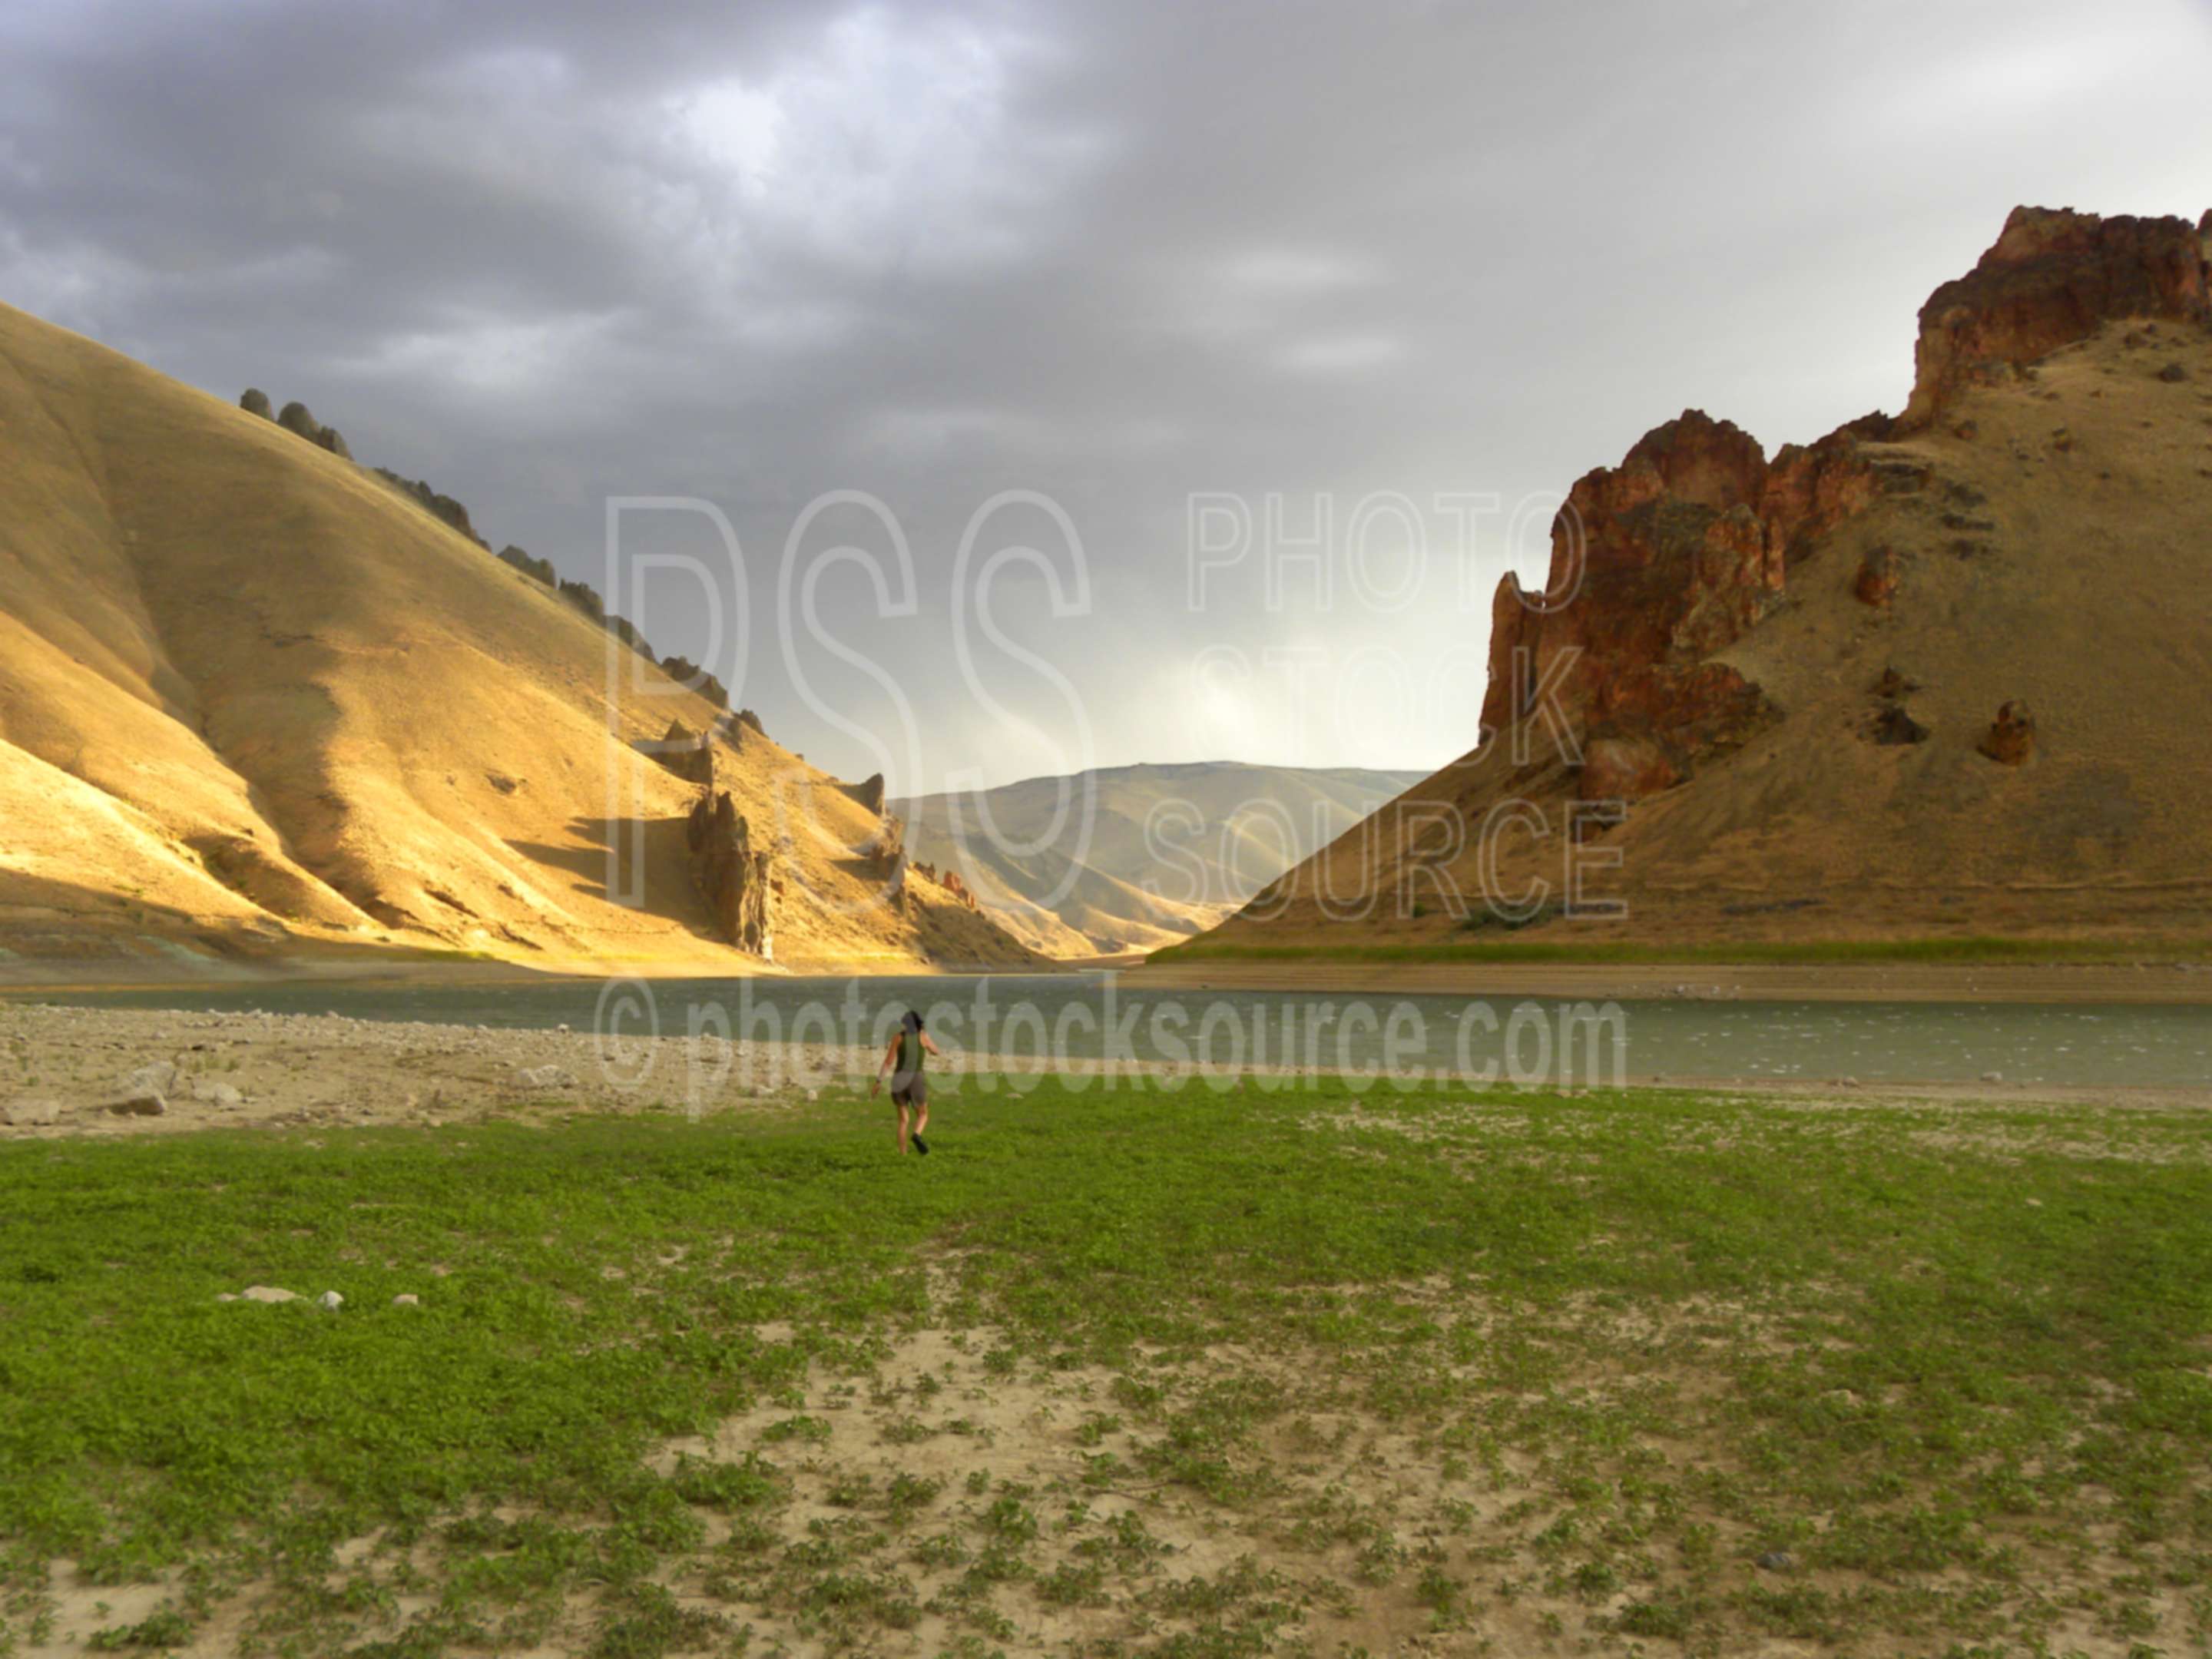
[{"x": 1128, "y": 1372}]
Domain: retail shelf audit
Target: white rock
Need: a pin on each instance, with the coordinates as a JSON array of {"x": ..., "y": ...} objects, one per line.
[
  {"x": 27, "y": 1113},
  {"x": 407, "y": 1299},
  {"x": 154, "y": 1079},
  {"x": 1993, "y": 1077},
  {"x": 220, "y": 1095},
  {"x": 226, "y": 1296},
  {"x": 267, "y": 1294},
  {"x": 330, "y": 1301},
  {"x": 138, "y": 1105},
  {"x": 545, "y": 1077}
]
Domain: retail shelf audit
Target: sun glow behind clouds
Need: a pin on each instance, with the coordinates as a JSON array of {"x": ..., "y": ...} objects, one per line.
[
  {"x": 888, "y": 144},
  {"x": 487, "y": 357}
]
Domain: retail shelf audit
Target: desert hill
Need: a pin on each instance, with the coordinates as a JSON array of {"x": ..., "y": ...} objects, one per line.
[
  {"x": 256, "y": 699},
  {"x": 1949, "y": 674},
  {"x": 1221, "y": 831}
]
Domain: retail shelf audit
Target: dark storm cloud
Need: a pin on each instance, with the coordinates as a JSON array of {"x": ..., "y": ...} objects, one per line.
[{"x": 1115, "y": 254}]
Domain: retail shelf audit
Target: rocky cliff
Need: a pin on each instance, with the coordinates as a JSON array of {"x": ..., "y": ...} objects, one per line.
[
  {"x": 2050, "y": 279},
  {"x": 1657, "y": 563},
  {"x": 1788, "y": 674},
  {"x": 1661, "y": 561},
  {"x": 733, "y": 875}
]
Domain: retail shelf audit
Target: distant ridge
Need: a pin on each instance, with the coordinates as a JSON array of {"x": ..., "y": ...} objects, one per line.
[{"x": 1220, "y": 830}]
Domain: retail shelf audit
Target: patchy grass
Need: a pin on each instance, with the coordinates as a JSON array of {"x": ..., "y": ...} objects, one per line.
[{"x": 1135, "y": 1370}]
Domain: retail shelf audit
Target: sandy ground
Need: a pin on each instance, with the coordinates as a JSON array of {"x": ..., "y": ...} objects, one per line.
[
  {"x": 1350, "y": 1509},
  {"x": 72, "y": 1070}
]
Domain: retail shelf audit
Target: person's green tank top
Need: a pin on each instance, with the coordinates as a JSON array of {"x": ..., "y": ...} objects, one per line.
[{"x": 911, "y": 1053}]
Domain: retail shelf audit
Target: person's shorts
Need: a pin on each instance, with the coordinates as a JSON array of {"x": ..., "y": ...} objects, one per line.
[{"x": 915, "y": 1091}]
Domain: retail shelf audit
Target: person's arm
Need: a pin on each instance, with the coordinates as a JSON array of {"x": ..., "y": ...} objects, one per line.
[
  {"x": 931, "y": 1046},
  {"x": 890, "y": 1054}
]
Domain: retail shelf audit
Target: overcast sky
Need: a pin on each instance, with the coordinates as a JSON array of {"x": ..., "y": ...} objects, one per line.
[{"x": 1116, "y": 254}]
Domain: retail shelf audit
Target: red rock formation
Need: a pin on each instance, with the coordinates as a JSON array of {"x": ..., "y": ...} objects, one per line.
[
  {"x": 1625, "y": 769},
  {"x": 1657, "y": 563},
  {"x": 2011, "y": 738},
  {"x": 1876, "y": 584},
  {"x": 1669, "y": 558},
  {"x": 2051, "y": 278},
  {"x": 948, "y": 880}
]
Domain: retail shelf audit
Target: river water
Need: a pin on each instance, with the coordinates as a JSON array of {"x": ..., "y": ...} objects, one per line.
[{"x": 1092, "y": 1017}]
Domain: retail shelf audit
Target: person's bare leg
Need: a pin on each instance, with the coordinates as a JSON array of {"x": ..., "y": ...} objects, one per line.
[
  {"x": 921, "y": 1122},
  {"x": 902, "y": 1129}
]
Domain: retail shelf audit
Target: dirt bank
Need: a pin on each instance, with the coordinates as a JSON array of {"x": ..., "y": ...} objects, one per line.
[{"x": 1893, "y": 981}]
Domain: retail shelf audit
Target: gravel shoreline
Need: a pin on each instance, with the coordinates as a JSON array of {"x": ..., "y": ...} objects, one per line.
[
  {"x": 76, "y": 1072},
  {"x": 93, "y": 1071}
]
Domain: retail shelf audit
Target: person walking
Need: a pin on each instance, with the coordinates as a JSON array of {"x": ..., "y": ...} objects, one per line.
[{"x": 903, "y": 1058}]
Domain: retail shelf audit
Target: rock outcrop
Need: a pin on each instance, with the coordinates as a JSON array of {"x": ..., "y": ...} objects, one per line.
[
  {"x": 887, "y": 846},
  {"x": 948, "y": 879},
  {"x": 2051, "y": 279},
  {"x": 2028, "y": 535},
  {"x": 690, "y": 676},
  {"x": 442, "y": 507},
  {"x": 1656, "y": 564},
  {"x": 1661, "y": 561},
  {"x": 294, "y": 418},
  {"x": 886, "y": 852},
  {"x": 734, "y": 876},
  {"x": 1876, "y": 582},
  {"x": 2011, "y": 737},
  {"x": 869, "y": 791},
  {"x": 689, "y": 755},
  {"x": 1627, "y": 769},
  {"x": 538, "y": 570},
  {"x": 1893, "y": 725}
]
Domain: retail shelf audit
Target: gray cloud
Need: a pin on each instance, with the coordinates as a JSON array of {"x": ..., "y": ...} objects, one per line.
[{"x": 1114, "y": 254}]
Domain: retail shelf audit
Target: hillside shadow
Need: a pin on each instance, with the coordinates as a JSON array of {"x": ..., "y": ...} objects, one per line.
[
  {"x": 54, "y": 932},
  {"x": 41, "y": 917},
  {"x": 653, "y": 876}
]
